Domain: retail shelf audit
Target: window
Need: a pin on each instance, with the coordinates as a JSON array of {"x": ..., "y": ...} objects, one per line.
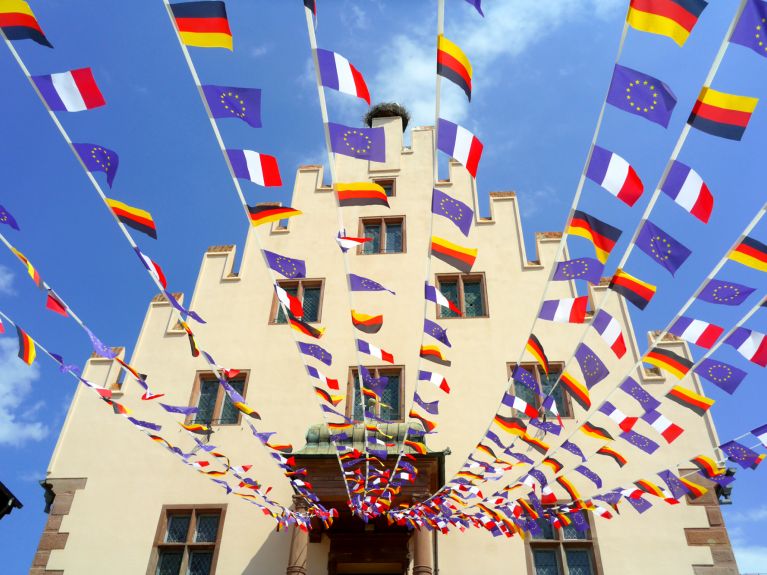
[
  {"x": 391, "y": 405},
  {"x": 546, "y": 384},
  {"x": 187, "y": 541},
  {"x": 562, "y": 550},
  {"x": 308, "y": 292},
  {"x": 467, "y": 291},
  {"x": 389, "y": 186},
  {"x": 387, "y": 235},
  {"x": 213, "y": 404}
]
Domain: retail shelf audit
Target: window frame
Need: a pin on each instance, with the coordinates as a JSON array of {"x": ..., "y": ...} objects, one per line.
[
  {"x": 218, "y": 407},
  {"x": 375, "y": 371},
  {"x": 382, "y": 220},
  {"x": 460, "y": 279},
  {"x": 284, "y": 283},
  {"x": 386, "y": 181},
  {"x": 538, "y": 371},
  {"x": 560, "y": 545},
  {"x": 189, "y": 545}
]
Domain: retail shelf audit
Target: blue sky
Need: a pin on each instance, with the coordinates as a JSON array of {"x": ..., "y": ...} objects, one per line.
[{"x": 541, "y": 71}]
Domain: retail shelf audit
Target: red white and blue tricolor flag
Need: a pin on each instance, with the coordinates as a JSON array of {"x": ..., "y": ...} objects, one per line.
[
  {"x": 71, "y": 91},
  {"x": 750, "y": 344},
  {"x": 336, "y": 72},
  {"x": 615, "y": 175},
  {"x": 568, "y": 310},
  {"x": 258, "y": 168},
  {"x": 610, "y": 330},
  {"x": 696, "y": 331},
  {"x": 457, "y": 142},
  {"x": 685, "y": 186}
]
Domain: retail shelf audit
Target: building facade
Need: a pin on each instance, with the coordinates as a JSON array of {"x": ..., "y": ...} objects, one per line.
[{"x": 124, "y": 506}]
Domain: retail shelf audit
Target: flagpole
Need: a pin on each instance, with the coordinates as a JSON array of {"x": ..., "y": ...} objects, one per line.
[
  {"x": 574, "y": 204},
  {"x": 241, "y": 196},
  {"x": 96, "y": 387},
  {"x": 661, "y": 335}
]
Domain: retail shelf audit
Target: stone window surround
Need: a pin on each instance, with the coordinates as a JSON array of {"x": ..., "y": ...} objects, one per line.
[
  {"x": 312, "y": 282},
  {"x": 349, "y": 411},
  {"x": 195, "y": 395}
]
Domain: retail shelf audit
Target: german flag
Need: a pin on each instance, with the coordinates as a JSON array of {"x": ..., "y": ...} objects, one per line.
[
  {"x": 118, "y": 408},
  {"x": 325, "y": 396},
  {"x": 19, "y": 23},
  {"x": 536, "y": 444},
  {"x": 721, "y": 114},
  {"x": 569, "y": 487},
  {"x": 367, "y": 323},
  {"x": 434, "y": 353},
  {"x": 512, "y": 425},
  {"x": 31, "y": 270},
  {"x": 668, "y": 361},
  {"x": 261, "y": 214},
  {"x": 528, "y": 509},
  {"x": 602, "y": 235},
  {"x": 689, "y": 399},
  {"x": 595, "y": 431},
  {"x": 246, "y": 409},
  {"x": 612, "y": 454},
  {"x": 695, "y": 489},
  {"x": 361, "y": 194},
  {"x": 577, "y": 390},
  {"x": 487, "y": 450},
  {"x": 633, "y": 289},
  {"x": 672, "y": 18},
  {"x": 428, "y": 425},
  {"x": 192, "y": 342},
  {"x": 650, "y": 487},
  {"x": 457, "y": 256},
  {"x": 554, "y": 464},
  {"x": 416, "y": 446},
  {"x": 27, "y": 351},
  {"x": 281, "y": 447},
  {"x": 304, "y": 328},
  {"x": 751, "y": 253},
  {"x": 707, "y": 466},
  {"x": 197, "y": 428},
  {"x": 535, "y": 348},
  {"x": 340, "y": 427},
  {"x": 203, "y": 24},
  {"x": 453, "y": 64},
  {"x": 135, "y": 218}
]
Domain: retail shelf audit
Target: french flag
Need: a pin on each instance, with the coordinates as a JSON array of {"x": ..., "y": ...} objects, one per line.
[
  {"x": 257, "y": 168},
  {"x": 685, "y": 186},
  {"x": 72, "y": 91},
  {"x": 291, "y": 302},
  {"x": 610, "y": 330},
  {"x": 314, "y": 372},
  {"x": 370, "y": 349},
  {"x": 433, "y": 294},
  {"x": 435, "y": 379},
  {"x": 615, "y": 175},
  {"x": 625, "y": 422},
  {"x": 457, "y": 142},
  {"x": 669, "y": 430},
  {"x": 337, "y": 73},
  {"x": 696, "y": 331},
  {"x": 570, "y": 310},
  {"x": 153, "y": 267},
  {"x": 750, "y": 344}
]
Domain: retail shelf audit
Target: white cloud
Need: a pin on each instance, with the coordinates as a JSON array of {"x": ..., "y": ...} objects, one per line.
[
  {"x": 6, "y": 281},
  {"x": 258, "y": 51},
  {"x": 16, "y": 380},
  {"x": 756, "y": 514},
  {"x": 536, "y": 201},
  {"x": 751, "y": 558},
  {"x": 406, "y": 71}
]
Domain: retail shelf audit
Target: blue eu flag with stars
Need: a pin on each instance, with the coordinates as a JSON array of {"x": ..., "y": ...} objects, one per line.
[{"x": 640, "y": 94}]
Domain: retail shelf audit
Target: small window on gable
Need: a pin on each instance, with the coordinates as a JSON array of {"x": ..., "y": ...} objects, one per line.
[
  {"x": 390, "y": 406},
  {"x": 466, "y": 291},
  {"x": 308, "y": 292},
  {"x": 545, "y": 384},
  {"x": 386, "y": 235},
  {"x": 214, "y": 406},
  {"x": 389, "y": 186}
]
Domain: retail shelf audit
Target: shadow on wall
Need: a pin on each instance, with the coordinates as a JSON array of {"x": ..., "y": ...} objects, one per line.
[{"x": 272, "y": 556}]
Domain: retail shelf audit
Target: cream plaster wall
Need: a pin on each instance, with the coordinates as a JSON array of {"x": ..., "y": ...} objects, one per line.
[{"x": 113, "y": 520}]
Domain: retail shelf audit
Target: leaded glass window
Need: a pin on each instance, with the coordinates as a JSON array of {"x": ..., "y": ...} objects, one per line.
[
  {"x": 178, "y": 528},
  {"x": 562, "y": 550},
  {"x": 169, "y": 562},
  {"x": 546, "y": 562},
  {"x": 389, "y": 406},
  {"x": 308, "y": 292},
  {"x": 579, "y": 562},
  {"x": 391, "y": 398},
  {"x": 187, "y": 542},
  {"x": 229, "y": 413},
  {"x": 206, "y": 404},
  {"x": 466, "y": 291},
  {"x": 547, "y": 384},
  {"x": 387, "y": 235},
  {"x": 200, "y": 562},
  {"x": 213, "y": 404}
]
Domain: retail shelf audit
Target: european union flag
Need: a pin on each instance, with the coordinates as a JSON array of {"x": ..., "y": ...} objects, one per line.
[
  {"x": 457, "y": 212},
  {"x": 7, "y": 219},
  {"x": 640, "y": 441},
  {"x": 288, "y": 267},
  {"x": 521, "y": 375},
  {"x": 661, "y": 247},
  {"x": 315, "y": 351},
  {"x": 594, "y": 370},
  {"x": 725, "y": 293},
  {"x": 640, "y": 94},
  {"x": 436, "y": 331},
  {"x": 723, "y": 375},
  {"x": 360, "y": 283},
  {"x": 362, "y": 143},
  {"x": 738, "y": 453},
  {"x": 98, "y": 159},
  {"x": 750, "y": 30},
  {"x": 588, "y": 269},
  {"x": 230, "y": 102}
]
